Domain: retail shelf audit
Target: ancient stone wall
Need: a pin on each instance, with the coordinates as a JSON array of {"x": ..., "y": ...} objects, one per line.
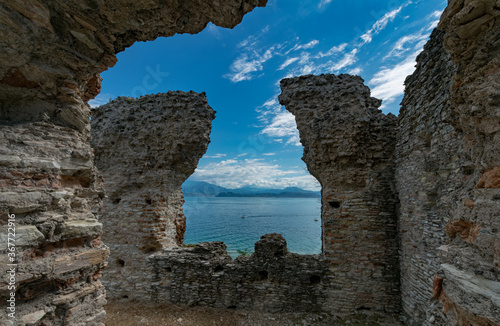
[
  {"x": 48, "y": 182},
  {"x": 348, "y": 147},
  {"x": 51, "y": 57},
  {"x": 145, "y": 149},
  {"x": 447, "y": 163},
  {"x": 270, "y": 279},
  {"x": 429, "y": 169}
]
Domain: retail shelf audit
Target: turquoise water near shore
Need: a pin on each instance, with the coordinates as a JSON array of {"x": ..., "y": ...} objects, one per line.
[{"x": 221, "y": 219}]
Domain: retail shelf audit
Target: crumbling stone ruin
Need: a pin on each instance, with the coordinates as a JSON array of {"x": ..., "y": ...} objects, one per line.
[
  {"x": 410, "y": 205},
  {"x": 207, "y": 275},
  {"x": 143, "y": 174},
  {"x": 349, "y": 148}
]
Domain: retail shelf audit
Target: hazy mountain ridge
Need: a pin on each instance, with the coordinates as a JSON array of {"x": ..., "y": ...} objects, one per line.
[{"x": 205, "y": 189}]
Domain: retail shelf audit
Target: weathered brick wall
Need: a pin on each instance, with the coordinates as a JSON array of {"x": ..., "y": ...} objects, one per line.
[
  {"x": 270, "y": 279},
  {"x": 348, "y": 147},
  {"x": 447, "y": 163},
  {"x": 145, "y": 149},
  {"x": 429, "y": 169}
]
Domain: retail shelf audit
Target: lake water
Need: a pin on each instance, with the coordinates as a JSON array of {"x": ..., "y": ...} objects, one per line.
[{"x": 220, "y": 219}]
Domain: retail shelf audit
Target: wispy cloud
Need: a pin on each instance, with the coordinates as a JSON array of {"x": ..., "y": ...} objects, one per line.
[
  {"x": 244, "y": 67},
  {"x": 215, "y": 156},
  {"x": 355, "y": 71},
  {"x": 253, "y": 172},
  {"x": 389, "y": 82},
  {"x": 380, "y": 25},
  {"x": 277, "y": 123},
  {"x": 348, "y": 60},
  {"x": 288, "y": 62},
  {"x": 406, "y": 43},
  {"x": 283, "y": 126},
  {"x": 306, "y": 46},
  {"x": 334, "y": 50},
  {"x": 323, "y": 3}
]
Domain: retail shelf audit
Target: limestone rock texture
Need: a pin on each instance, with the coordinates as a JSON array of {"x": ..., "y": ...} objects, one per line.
[
  {"x": 52, "y": 53},
  {"x": 447, "y": 172},
  {"x": 349, "y": 148},
  {"x": 270, "y": 279},
  {"x": 145, "y": 149}
]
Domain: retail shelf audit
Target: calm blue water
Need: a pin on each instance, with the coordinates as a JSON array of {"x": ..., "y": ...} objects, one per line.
[{"x": 220, "y": 219}]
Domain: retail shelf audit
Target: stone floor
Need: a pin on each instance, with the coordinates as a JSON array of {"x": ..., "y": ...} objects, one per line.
[{"x": 127, "y": 313}]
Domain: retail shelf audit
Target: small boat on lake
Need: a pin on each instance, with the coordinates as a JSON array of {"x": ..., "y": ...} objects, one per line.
[{"x": 243, "y": 216}]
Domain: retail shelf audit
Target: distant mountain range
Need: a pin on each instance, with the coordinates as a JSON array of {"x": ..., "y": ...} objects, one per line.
[{"x": 205, "y": 189}]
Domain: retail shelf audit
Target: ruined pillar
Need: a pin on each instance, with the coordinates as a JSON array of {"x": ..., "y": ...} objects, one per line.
[
  {"x": 52, "y": 55},
  {"x": 349, "y": 147},
  {"x": 145, "y": 149}
]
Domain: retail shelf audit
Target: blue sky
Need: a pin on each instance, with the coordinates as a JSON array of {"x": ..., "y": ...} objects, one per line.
[{"x": 254, "y": 139}]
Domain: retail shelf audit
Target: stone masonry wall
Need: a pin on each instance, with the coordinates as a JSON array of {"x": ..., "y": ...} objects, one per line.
[
  {"x": 145, "y": 149},
  {"x": 51, "y": 57},
  {"x": 348, "y": 147},
  {"x": 270, "y": 279},
  {"x": 447, "y": 175},
  {"x": 48, "y": 181},
  {"x": 429, "y": 169}
]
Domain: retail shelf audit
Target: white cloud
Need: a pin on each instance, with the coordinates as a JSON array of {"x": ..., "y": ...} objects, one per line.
[
  {"x": 244, "y": 67},
  {"x": 348, "y": 60},
  {"x": 323, "y": 3},
  {"x": 389, "y": 82},
  {"x": 227, "y": 162},
  {"x": 255, "y": 172},
  {"x": 283, "y": 126},
  {"x": 380, "y": 25},
  {"x": 402, "y": 45},
  {"x": 219, "y": 155},
  {"x": 277, "y": 123},
  {"x": 437, "y": 14},
  {"x": 355, "y": 71},
  {"x": 251, "y": 59},
  {"x": 268, "y": 154},
  {"x": 433, "y": 25},
  {"x": 309, "y": 45},
  {"x": 288, "y": 62},
  {"x": 334, "y": 50}
]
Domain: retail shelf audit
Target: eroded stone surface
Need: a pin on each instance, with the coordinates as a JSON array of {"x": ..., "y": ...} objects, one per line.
[
  {"x": 145, "y": 149},
  {"x": 348, "y": 147},
  {"x": 447, "y": 159}
]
